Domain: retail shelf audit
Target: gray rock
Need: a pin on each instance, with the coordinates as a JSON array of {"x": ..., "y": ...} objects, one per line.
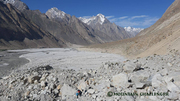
[
  {"x": 43, "y": 84},
  {"x": 82, "y": 85},
  {"x": 173, "y": 96},
  {"x": 164, "y": 72},
  {"x": 169, "y": 64},
  {"x": 157, "y": 81},
  {"x": 172, "y": 87},
  {"x": 66, "y": 90},
  {"x": 45, "y": 97},
  {"x": 91, "y": 91},
  {"x": 120, "y": 80},
  {"x": 31, "y": 79},
  {"x": 128, "y": 68},
  {"x": 140, "y": 85}
]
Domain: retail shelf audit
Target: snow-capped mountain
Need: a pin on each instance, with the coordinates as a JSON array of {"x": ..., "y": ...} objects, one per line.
[
  {"x": 100, "y": 22},
  {"x": 55, "y": 13},
  {"x": 81, "y": 30},
  {"x": 133, "y": 31},
  {"x": 17, "y": 3},
  {"x": 95, "y": 19}
]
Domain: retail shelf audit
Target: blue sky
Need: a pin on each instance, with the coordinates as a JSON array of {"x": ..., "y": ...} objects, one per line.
[{"x": 134, "y": 13}]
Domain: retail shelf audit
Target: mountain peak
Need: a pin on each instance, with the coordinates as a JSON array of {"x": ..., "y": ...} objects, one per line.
[
  {"x": 133, "y": 31},
  {"x": 16, "y": 3},
  {"x": 100, "y": 18},
  {"x": 55, "y": 13},
  {"x": 101, "y": 15}
]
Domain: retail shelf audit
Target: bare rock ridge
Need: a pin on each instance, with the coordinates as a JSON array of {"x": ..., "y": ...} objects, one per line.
[
  {"x": 85, "y": 31},
  {"x": 17, "y": 3},
  {"x": 100, "y": 22},
  {"x": 16, "y": 31}
]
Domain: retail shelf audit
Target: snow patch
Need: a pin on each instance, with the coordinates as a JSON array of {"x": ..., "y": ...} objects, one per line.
[
  {"x": 97, "y": 19},
  {"x": 9, "y": 1},
  {"x": 133, "y": 31},
  {"x": 55, "y": 13}
]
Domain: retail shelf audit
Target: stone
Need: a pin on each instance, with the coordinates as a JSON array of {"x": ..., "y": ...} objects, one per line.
[
  {"x": 45, "y": 97},
  {"x": 173, "y": 96},
  {"x": 157, "y": 81},
  {"x": 66, "y": 90},
  {"x": 27, "y": 93},
  {"x": 175, "y": 77},
  {"x": 164, "y": 72},
  {"x": 82, "y": 85},
  {"x": 43, "y": 84},
  {"x": 172, "y": 87},
  {"x": 52, "y": 86},
  {"x": 31, "y": 79},
  {"x": 169, "y": 64},
  {"x": 59, "y": 87},
  {"x": 91, "y": 91},
  {"x": 128, "y": 68},
  {"x": 140, "y": 85},
  {"x": 120, "y": 80}
]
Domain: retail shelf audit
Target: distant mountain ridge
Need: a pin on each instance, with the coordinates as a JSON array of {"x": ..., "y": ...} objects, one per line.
[
  {"x": 100, "y": 22},
  {"x": 133, "y": 31},
  {"x": 69, "y": 29}
]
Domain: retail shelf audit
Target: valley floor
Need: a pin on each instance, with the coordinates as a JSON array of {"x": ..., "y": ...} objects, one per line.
[{"x": 64, "y": 58}]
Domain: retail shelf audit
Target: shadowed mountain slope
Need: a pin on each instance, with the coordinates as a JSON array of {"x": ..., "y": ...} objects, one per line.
[{"x": 16, "y": 31}]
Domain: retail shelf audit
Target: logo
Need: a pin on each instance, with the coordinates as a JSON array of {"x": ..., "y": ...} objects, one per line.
[{"x": 110, "y": 94}]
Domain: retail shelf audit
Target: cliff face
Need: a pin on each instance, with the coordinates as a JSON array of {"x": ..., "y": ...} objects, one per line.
[{"x": 16, "y": 31}]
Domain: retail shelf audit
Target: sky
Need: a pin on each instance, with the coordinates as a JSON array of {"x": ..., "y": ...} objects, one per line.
[{"x": 134, "y": 13}]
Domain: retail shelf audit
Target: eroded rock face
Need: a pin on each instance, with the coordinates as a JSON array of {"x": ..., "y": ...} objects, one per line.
[{"x": 45, "y": 83}]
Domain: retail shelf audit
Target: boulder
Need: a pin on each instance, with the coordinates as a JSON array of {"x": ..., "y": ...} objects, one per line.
[
  {"x": 128, "y": 68},
  {"x": 140, "y": 85},
  {"x": 120, "y": 80},
  {"x": 157, "y": 81},
  {"x": 173, "y": 96},
  {"x": 66, "y": 90},
  {"x": 91, "y": 91},
  {"x": 82, "y": 85},
  {"x": 172, "y": 87},
  {"x": 169, "y": 64},
  {"x": 31, "y": 79},
  {"x": 176, "y": 77},
  {"x": 140, "y": 76}
]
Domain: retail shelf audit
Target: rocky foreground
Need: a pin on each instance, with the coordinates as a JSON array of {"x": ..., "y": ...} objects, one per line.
[{"x": 154, "y": 78}]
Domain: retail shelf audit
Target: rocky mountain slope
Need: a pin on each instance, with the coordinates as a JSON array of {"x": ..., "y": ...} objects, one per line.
[
  {"x": 160, "y": 38},
  {"x": 84, "y": 31},
  {"x": 16, "y": 31},
  {"x": 68, "y": 30},
  {"x": 100, "y": 22}
]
